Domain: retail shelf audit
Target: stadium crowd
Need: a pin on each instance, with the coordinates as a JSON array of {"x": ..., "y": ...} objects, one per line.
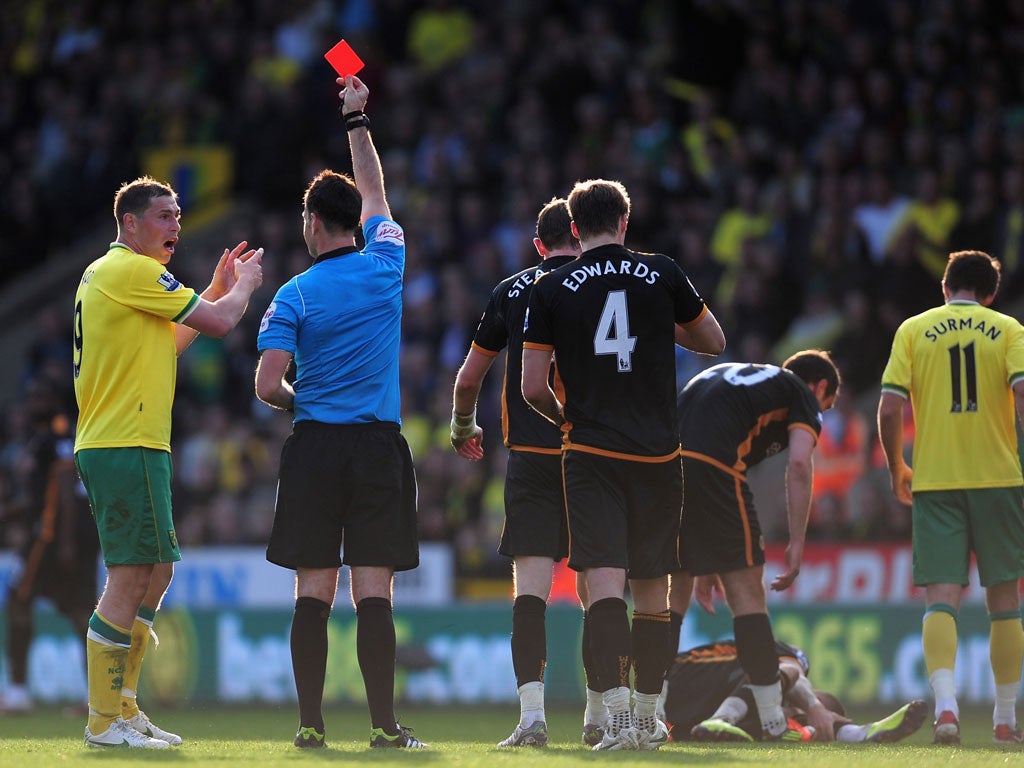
[{"x": 808, "y": 164}]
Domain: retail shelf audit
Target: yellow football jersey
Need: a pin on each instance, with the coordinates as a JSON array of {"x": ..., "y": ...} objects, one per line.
[
  {"x": 125, "y": 362},
  {"x": 957, "y": 363}
]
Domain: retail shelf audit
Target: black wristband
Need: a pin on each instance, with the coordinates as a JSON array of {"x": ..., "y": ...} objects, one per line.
[
  {"x": 346, "y": 115},
  {"x": 357, "y": 122}
]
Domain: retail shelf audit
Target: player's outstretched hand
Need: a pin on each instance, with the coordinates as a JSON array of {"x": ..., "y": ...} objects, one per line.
[
  {"x": 249, "y": 267},
  {"x": 224, "y": 273},
  {"x": 794, "y": 556},
  {"x": 704, "y": 588}
]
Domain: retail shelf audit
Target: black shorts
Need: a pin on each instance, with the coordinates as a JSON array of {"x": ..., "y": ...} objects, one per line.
[
  {"x": 720, "y": 531},
  {"x": 535, "y": 522},
  {"x": 351, "y": 484},
  {"x": 623, "y": 514}
]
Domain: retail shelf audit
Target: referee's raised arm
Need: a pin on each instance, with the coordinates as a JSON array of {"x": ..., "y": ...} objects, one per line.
[{"x": 366, "y": 167}]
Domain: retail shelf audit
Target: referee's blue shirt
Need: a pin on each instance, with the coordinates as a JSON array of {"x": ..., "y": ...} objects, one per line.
[{"x": 341, "y": 320}]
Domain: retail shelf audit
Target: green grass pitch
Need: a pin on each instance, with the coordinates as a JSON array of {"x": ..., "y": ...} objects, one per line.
[{"x": 253, "y": 737}]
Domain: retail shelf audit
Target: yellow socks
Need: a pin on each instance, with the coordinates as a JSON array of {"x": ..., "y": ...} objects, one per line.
[
  {"x": 938, "y": 636},
  {"x": 106, "y": 655},
  {"x": 141, "y": 629},
  {"x": 1006, "y": 647}
]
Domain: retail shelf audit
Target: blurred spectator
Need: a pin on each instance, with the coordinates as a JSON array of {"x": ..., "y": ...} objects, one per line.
[
  {"x": 929, "y": 221},
  {"x": 879, "y": 216},
  {"x": 839, "y": 461},
  {"x": 786, "y": 151}
]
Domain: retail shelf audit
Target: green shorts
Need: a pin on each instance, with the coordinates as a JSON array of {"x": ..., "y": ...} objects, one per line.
[
  {"x": 130, "y": 493},
  {"x": 949, "y": 525}
]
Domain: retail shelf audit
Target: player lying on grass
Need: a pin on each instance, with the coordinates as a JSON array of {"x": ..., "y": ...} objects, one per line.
[{"x": 726, "y": 711}]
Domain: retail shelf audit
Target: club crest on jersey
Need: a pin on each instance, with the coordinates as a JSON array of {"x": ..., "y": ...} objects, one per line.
[
  {"x": 265, "y": 322},
  {"x": 168, "y": 282},
  {"x": 390, "y": 232}
]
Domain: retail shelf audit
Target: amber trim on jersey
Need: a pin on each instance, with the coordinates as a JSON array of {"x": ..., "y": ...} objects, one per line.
[
  {"x": 535, "y": 449},
  {"x": 722, "y": 652},
  {"x": 482, "y": 351},
  {"x": 743, "y": 450},
  {"x": 504, "y": 407},
  {"x": 808, "y": 428},
  {"x": 571, "y": 446},
  {"x": 697, "y": 319},
  {"x": 535, "y": 345}
]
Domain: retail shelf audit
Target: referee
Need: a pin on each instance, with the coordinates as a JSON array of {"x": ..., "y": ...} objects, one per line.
[{"x": 346, "y": 470}]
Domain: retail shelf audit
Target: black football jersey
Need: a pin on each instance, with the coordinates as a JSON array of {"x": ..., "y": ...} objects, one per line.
[
  {"x": 502, "y": 326},
  {"x": 740, "y": 413},
  {"x": 610, "y": 318}
]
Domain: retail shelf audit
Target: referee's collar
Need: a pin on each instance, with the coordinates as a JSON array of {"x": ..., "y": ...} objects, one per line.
[{"x": 343, "y": 251}]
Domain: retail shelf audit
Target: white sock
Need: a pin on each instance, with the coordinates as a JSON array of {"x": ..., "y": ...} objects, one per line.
[
  {"x": 769, "y": 707},
  {"x": 732, "y": 710},
  {"x": 644, "y": 708},
  {"x": 531, "y": 703},
  {"x": 944, "y": 687},
  {"x": 1005, "y": 711},
  {"x": 660, "y": 710},
  {"x": 597, "y": 712},
  {"x": 851, "y": 733},
  {"x": 619, "y": 715},
  {"x": 645, "y": 704}
]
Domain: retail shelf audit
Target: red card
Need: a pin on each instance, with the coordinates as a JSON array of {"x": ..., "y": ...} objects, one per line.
[{"x": 344, "y": 59}]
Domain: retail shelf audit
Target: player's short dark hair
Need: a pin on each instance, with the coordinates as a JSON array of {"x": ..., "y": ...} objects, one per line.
[
  {"x": 336, "y": 201},
  {"x": 813, "y": 365},
  {"x": 597, "y": 205},
  {"x": 136, "y": 196},
  {"x": 553, "y": 225},
  {"x": 972, "y": 271}
]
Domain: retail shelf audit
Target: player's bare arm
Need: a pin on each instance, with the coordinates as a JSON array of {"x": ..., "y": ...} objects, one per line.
[
  {"x": 224, "y": 279},
  {"x": 705, "y": 337},
  {"x": 1018, "y": 399},
  {"x": 890, "y": 433},
  {"x": 466, "y": 434},
  {"x": 800, "y": 693},
  {"x": 217, "y": 318},
  {"x": 799, "y": 476},
  {"x": 536, "y": 390},
  {"x": 271, "y": 386}
]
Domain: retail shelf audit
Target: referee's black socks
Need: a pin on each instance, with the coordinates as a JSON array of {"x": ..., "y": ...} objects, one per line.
[
  {"x": 375, "y": 650},
  {"x": 309, "y": 659}
]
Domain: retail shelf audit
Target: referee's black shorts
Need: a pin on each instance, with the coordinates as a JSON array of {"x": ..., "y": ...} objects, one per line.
[
  {"x": 345, "y": 484},
  {"x": 535, "y": 523}
]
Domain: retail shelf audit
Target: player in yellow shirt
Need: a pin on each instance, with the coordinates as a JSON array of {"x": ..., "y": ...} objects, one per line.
[
  {"x": 962, "y": 367},
  {"x": 132, "y": 320}
]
